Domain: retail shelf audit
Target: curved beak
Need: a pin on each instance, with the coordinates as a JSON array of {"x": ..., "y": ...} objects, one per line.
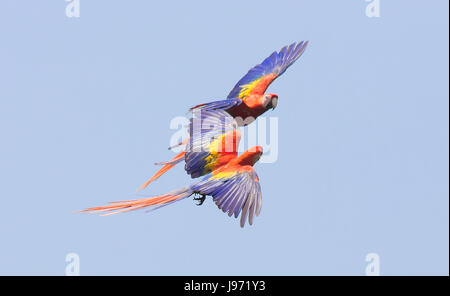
[{"x": 274, "y": 102}]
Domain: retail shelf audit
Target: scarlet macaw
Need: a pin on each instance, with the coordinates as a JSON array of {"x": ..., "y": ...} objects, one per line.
[
  {"x": 230, "y": 179},
  {"x": 247, "y": 99}
]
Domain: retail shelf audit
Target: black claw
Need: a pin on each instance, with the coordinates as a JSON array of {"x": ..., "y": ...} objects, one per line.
[{"x": 200, "y": 199}]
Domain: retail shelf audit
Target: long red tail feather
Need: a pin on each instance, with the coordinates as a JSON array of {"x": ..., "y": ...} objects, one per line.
[
  {"x": 164, "y": 169},
  {"x": 116, "y": 207}
]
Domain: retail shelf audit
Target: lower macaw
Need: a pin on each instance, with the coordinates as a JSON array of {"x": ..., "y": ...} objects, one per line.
[
  {"x": 247, "y": 99},
  {"x": 230, "y": 179}
]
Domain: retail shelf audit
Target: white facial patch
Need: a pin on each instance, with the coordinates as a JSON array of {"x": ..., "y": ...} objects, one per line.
[{"x": 266, "y": 100}]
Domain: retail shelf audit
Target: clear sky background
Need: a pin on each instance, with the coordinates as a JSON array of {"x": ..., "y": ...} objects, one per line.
[{"x": 85, "y": 107}]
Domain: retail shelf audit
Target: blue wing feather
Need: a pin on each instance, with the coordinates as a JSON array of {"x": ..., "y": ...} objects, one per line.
[
  {"x": 218, "y": 105},
  {"x": 236, "y": 194}
]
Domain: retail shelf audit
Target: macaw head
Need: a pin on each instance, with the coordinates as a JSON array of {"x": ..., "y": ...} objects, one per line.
[
  {"x": 269, "y": 101},
  {"x": 251, "y": 156}
]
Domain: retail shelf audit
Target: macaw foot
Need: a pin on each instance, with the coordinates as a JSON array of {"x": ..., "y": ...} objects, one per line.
[{"x": 200, "y": 199}]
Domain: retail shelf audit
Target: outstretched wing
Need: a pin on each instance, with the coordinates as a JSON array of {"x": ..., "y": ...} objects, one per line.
[
  {"x": 234, "y": 192},
  {"x": 214, "y": 139},
  {"x": 261, "y": 76}
]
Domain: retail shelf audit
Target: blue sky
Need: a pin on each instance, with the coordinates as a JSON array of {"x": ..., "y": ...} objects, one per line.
[{"x": 85, "y": 108}]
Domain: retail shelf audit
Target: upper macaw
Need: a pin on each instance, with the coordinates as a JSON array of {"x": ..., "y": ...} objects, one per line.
[
  {"x": 247, "y": 100},
  {"x": 248, "y": 97},
  {"x": 230, "y": 179}
]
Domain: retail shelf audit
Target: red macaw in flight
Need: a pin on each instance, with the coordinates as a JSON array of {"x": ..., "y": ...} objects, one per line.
[
  {"x": 230, "y": 179},
  {"x": 247, "y": 100},
  {"x": 248, "y": 97}
]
